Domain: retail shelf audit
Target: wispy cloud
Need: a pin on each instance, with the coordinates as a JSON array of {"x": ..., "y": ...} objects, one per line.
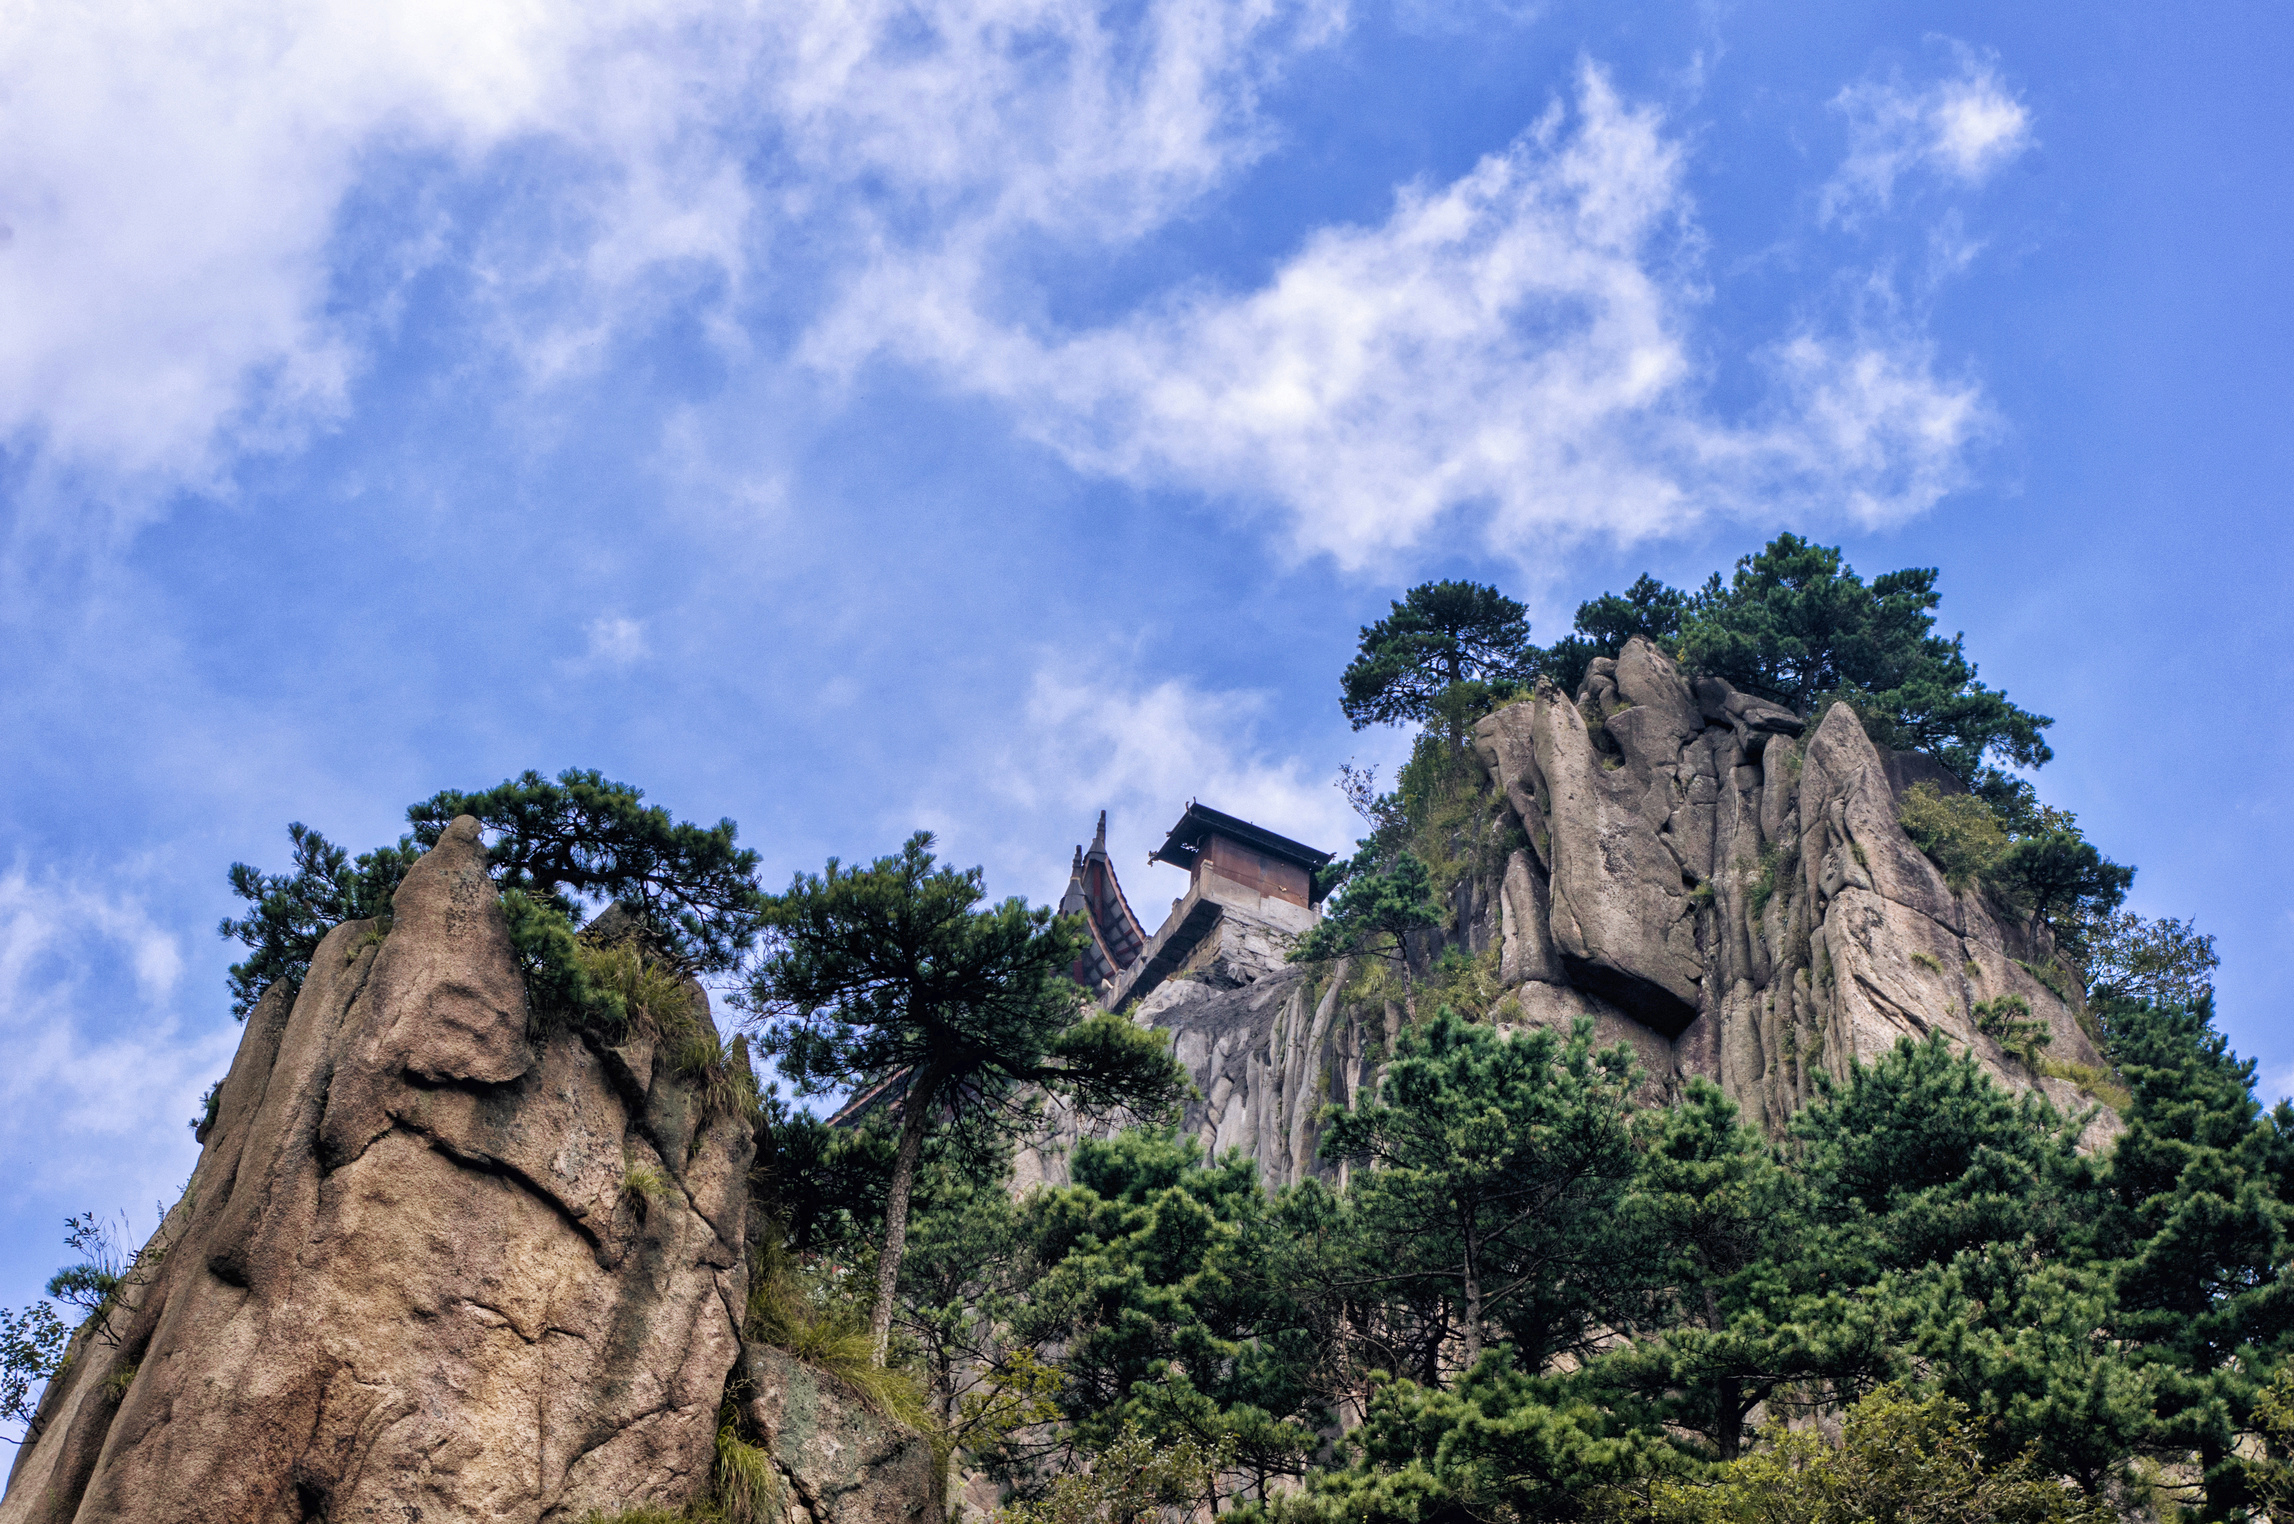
[
  {"x": 616, "y": 643},
  {"x": 1525, "y": 344},
  {"x": 1089, "y": 737},
  {"x": 96, "y": 1052},
  {"x": 173, "y": 183},
  {"x": 1961, "y": 128},
  {"x": 1520, "y": 344}
]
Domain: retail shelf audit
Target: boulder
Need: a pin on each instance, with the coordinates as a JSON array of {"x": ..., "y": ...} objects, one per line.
[{"x": 841, "y": 1460}]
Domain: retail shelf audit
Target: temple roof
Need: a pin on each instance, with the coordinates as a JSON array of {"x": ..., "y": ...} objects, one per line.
[
  {"x": 1093, "y": 893},
  {"x": 1185, "y": 842}
]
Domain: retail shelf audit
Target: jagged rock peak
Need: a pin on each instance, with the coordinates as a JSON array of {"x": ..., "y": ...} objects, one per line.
[
  {"x": 1713, "y": 882},
  {"x": 430, "y": 1264}
]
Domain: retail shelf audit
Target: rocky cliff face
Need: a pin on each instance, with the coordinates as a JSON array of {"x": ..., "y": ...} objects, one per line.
[
  {"x": 432, "y": 1265},
  {"x": 1725, "y": 892}
]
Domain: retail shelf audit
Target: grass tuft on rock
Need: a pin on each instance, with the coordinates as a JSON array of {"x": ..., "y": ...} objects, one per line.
[{"x": 812, "y": 1315}]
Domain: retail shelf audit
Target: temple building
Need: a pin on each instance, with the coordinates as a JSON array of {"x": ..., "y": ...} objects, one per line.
[
  {"x": 1250, "y": 895},
  {"x": 1092, "y": 892}
]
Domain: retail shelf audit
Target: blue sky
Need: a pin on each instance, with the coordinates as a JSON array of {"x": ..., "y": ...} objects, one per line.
[{"x": 977, "y": 413}]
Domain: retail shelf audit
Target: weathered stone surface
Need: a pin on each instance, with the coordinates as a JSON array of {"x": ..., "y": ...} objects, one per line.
[
  {"x": 406, "y": 1280},
  {"x": 1713, "y": 881},
  {"x": 844, "y": 1463},
  {"x": 1621, "y": 916},
  {"x": 448, "y": 1003}
]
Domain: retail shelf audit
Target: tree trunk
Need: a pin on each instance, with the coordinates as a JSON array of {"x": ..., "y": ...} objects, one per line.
[
  {"x": 1473, "y": 1301},
  {"x": 922, "y": 1092},
  {"x": 1729, "y": 1419}
]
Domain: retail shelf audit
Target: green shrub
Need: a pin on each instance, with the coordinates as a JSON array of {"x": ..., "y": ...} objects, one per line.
[
  {"x": 2098, "y": 1082},
  {"x": 1896, "y": 1459},
  {"x": 1958, "y": 832},
  {"x": 207, "y": 1105},
  {"x": 560, "y": 990},
  {"x": 642, "y": 1185},
  {"x": 816, "y": 1314},
  {"x": 1927, "y": 962},
  {"x": 2049, "y": 975},
  {"x": 1776, "y": 860},
  {"x": 2008, "y": 1019}
]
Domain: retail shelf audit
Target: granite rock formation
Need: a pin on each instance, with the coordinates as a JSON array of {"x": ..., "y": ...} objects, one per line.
[
  {"x": 1690, "y": 866},
  {"x": 433, "y": 1264}
]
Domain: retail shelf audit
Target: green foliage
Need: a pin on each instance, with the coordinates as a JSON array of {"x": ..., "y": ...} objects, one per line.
[
  {"x": 2165, "y": 962},
  {"x": 1163, "y": 1285},
  {"x": 814, "y": 1310},
  {"x": 1489, "y": 1164},
  {"x": 1446, "y": 650},
  {"x": 1777, "y": 859},
  {"x": 819, "y": 1189},
  {"x": 2008, "y": 1018},
  {"x": 2094, "y": 1079},
  {"x": 2272, "y": 1474},
  {"x": 209, "y": 1099},
  {"x": 559, "y": 988},
  {"x": 1899, "y": 1458},
  {"x": 293, "y": 911},
  {"x": 1133, "y": 1481},
  {"x": 1797, "y": 624},
  {"x": 967, "y": 1273},
  {"x": 743, "y": 1484},
  {"x": 1648, "y": 608},
  {"x": 1709, "y": 1213},
  {"x": 2058, "y": 876},
  {"x": 2205, "y": 1279},
  {"x": 1375, "y": 915},
  {"x": 1921, "y": 1155},
  {"x": 1644, "y": 1283},
  {"x": 1500, "y": 1445},
  {"x": 555, "y": 846},
  {"x": 893, "y": 970},
  {"x": 32, "y": 1340},
  {"x": 1959, "y": 832},
  {"x": 2044, "y": 866},
  {"x": 894, "y": 967},
  {"x": 643, "y": 1184},
  {"x": 583, "y": 838}
]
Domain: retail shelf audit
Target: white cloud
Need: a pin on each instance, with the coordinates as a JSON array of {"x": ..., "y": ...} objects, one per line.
[
  {"x": 886, "y": 179},
  {"x": 616, "y": 642},
  {"x": 1089, "y": 738},
  {"x": 1962, "y": 128},
  {"x": 101, "y": 1073},
  {"x": 171, "y": 179},
  {"x": 1520, "y": 343}
]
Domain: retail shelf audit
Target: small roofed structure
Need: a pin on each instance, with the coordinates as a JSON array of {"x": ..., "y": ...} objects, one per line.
[
  {"x": 1117, "y": 938},
  {"x": 1246, "y": 856},
  {"x": 1250, "y": 893}
]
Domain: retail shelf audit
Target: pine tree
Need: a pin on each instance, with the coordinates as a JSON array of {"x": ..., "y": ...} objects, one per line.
[
  {"x": 1498, "y": 1164},
  {"x": 1439, "y": 656},
  {"x": 892, "y": 972},
  {"x": 1374, "y": 916},
  {"x": 2206, "y": 1281}
]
